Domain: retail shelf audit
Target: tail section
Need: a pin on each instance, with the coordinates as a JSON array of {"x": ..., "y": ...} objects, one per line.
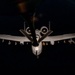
[
  {"x": 24, "y": 26},
  {"x": 23, "y": 31},
  {"x": 49, "y": 25},
  {"x": 48, "y": 33},
  {"x": 25, "y": 34},
  {"x": 43, "y": 37}
]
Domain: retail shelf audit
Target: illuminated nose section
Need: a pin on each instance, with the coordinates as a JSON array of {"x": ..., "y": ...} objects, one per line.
[{"x": 37, "y": 50}]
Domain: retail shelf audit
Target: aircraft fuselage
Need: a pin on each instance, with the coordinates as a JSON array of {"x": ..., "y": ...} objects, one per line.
[{"x": 37, "y": 49}]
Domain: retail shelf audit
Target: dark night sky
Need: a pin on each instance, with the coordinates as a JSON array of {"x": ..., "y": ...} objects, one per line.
[{"x": 61, "y": 13}]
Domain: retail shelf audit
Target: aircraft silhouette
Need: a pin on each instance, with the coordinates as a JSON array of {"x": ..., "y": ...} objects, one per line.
[{"x": 42, "y": 35}]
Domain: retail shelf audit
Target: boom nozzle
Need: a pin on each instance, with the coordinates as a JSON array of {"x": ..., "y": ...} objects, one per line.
[{"x": 37, "y": 55}]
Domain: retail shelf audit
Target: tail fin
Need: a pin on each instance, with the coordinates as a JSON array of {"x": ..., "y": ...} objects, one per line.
[
  {"x": 24, "y": 26},
  {"x": 48, "y": 33},
  {"x": 22, "y": 29},
  {"x": 25, "y": 34},
  {"x": 49, "y": 26}
]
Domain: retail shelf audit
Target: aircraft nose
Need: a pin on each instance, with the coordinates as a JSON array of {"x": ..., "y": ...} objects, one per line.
[{"x": 36, "y": 50}]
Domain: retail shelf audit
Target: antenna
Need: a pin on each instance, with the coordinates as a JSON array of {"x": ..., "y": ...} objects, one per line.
[
  {"x": 49, "y": 25},
  {"x": 24, "y": 25}
]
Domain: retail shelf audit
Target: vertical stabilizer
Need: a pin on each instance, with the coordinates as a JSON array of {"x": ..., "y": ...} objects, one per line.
[
  {"x": 49, "y": 25},
  {"x": 24, "y": 25}
]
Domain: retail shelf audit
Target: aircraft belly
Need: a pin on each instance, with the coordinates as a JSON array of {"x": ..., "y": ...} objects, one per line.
[{"x": 37, "y": 50}]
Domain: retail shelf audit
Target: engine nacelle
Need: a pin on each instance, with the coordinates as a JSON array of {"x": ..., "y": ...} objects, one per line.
[
  {"x": 44, "y": 30},
  {"x": 28, "y": 31}
]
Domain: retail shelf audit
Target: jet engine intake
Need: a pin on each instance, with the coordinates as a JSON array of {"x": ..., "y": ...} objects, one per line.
[
  {"x": 44, "y": 30},
  {"x": 28, "y": 31}
]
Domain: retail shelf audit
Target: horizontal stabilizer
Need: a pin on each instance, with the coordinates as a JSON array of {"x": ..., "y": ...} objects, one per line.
[
  {"x": 43, "y": 37},
  {"x": 25, "y": 34}
]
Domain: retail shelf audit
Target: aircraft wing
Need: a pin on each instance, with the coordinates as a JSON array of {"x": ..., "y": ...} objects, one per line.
[
  {"x": 14, "y": 38},
  {"x": 59, "y": 37}
]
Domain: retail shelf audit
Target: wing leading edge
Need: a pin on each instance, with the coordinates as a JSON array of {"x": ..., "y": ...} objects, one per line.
[
  {"x": 59, "y": 37},
  {"x": 48, "y": 38},
  {"x": 14, "y": 38}
]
